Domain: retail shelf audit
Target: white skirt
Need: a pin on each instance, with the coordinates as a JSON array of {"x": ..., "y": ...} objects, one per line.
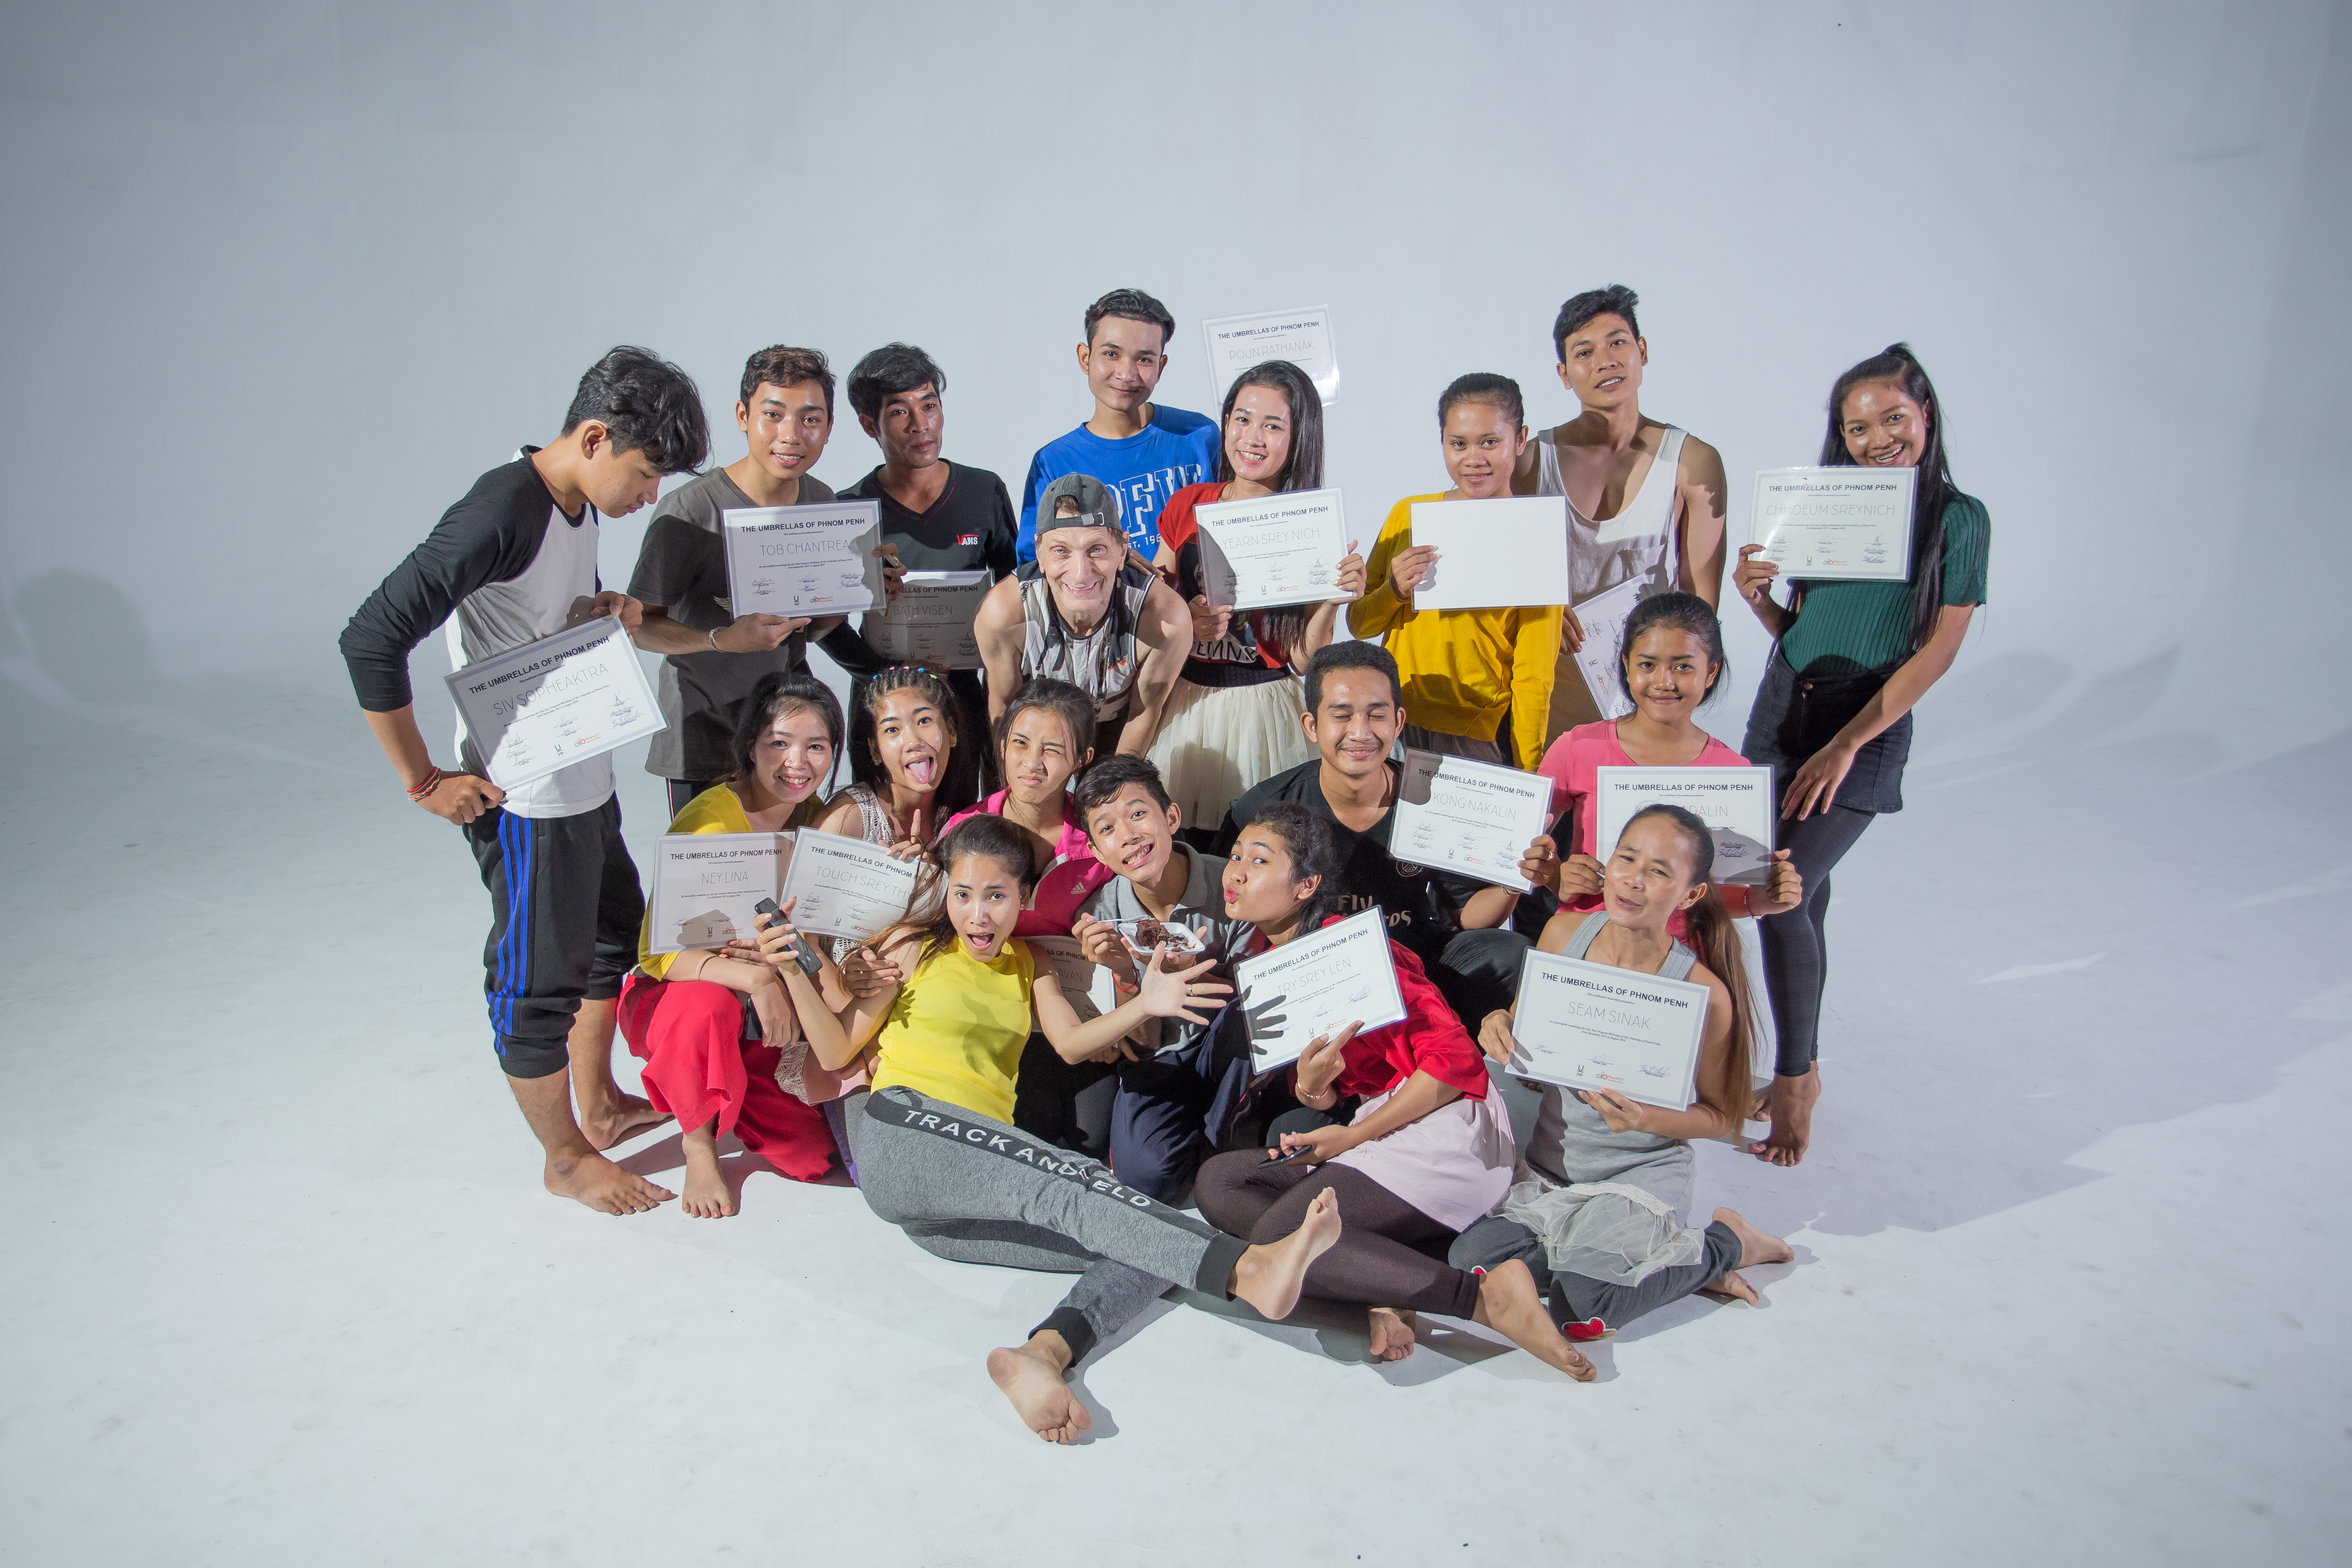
[{"x": 1217, "y": 743}]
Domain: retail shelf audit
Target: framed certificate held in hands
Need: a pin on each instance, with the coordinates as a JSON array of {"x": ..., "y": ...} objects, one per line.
[
  {"x": 1302, "y": 336},
  {"x": 1847, "y": 524},
  {"x": 1317, "y": 984},
  {"x": 1736, "y": 804},
  {"x": 1282, "y": 549},
  {"x": 1591, "y": 1025},
  {"x": 803, "y": 560},
  {"x": 1474, "y": 820},
  {"x": 930, "y": 622},
  {"x": 554, "y": 702},
  {"x": 705, "y": 885},
  {"x": 847, "y": 886},
  {"x": 1493, "y": 554},
  {"x": 1603, "y": 617}
]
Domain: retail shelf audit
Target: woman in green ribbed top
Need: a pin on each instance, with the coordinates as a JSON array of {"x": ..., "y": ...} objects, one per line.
[{"x": 1833, "y": 715}]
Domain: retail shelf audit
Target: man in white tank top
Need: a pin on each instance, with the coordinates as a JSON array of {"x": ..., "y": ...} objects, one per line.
[{"x": 1644, "y": 498}]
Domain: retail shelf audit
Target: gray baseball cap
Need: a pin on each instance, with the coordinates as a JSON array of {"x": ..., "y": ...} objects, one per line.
[{"x": 1097, "y": 504}]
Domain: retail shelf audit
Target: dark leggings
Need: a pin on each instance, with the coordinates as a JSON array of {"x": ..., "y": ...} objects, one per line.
[
  {"x": 1383, "y": 1256},
  {"x": 1796, "y": 950}
]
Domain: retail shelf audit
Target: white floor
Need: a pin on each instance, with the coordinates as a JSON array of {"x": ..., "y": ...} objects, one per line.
[{"x": 281, "y": 1286}]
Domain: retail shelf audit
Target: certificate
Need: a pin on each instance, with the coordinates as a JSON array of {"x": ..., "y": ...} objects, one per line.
[
  {"x": 1592, "y": 1025},
  {"x": 1317, "y": 984},
  {"x": 1471, "y": 818},
  {"x": 847, "y": 886},
  {"x": 930, "y": 622},
  {"x": 1277, "y": 550},
  {"x": 1493, "y": 554},
  {"x": 1302, "y": 336},
  {"x": 803, "y": 560},
  {"x": 1841, "y": 525},
  {"x": 1604, "y": 616},
  {"x": 1086, "y": 986},
  {"x": 1737, "y": 804},
  {"x": 706, "y": 883},
  {"x": 554, "y": 702}
]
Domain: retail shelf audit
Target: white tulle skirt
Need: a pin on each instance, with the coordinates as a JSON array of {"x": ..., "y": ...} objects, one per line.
[{"x": 1216, "y": 743}]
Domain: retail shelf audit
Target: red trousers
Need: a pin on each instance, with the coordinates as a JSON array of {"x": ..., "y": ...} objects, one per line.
[{"x": 688, "y": 1032}]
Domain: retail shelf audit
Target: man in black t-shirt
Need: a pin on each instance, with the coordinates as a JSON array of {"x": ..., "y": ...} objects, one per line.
[
  {"x": 941, "y": 516},
  {"x": 1454, "y": 925}
]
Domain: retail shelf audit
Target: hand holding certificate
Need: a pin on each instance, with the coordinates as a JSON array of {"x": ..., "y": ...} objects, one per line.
[
  {"x": 1471, "y": 818},
  {"x": 1317, "y": 984},
  {"x": 803, "y": 560},
  {"x": 931, "y": 620},
  {"x": 1282, "y": 549},
  {"x": 1493, "y": 554},
  {"x": 1604, "y": 616},
  {"x": 1595, "y": 1027},
  {"x": 1302, "y": 336},
  {"x": 1847, "y": 524},
  {"x": 847, "y": 886},
  {"x": 561, "y": 700},
  {"x": 705, "y": 885},
  {"x": 1736, "y": 803}
]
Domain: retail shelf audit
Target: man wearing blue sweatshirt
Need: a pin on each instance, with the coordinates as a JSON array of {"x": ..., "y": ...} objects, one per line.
[{"x": 1144, "y": 452}]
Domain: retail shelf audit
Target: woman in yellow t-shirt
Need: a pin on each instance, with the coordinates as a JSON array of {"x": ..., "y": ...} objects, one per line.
[
  {"x": 934, "y": 1141},
  {"x": 684, "y": 1012}
]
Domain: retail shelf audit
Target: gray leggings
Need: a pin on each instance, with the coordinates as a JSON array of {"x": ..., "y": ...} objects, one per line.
[
  {"x": 976, "y": 1191},
  {"x": 1576, "y": 1299}
]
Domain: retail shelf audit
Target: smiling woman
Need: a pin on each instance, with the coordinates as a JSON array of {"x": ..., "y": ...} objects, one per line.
[{"x": 1833, "y": 715}]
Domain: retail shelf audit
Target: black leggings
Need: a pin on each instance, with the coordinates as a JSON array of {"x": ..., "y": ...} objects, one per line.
[
  {"x": 1796, "y": 950},
  {"x": 1384, "y": 1254}
]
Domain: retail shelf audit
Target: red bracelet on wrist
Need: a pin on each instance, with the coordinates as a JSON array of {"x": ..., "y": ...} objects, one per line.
[{"x": 425, "y": 785}]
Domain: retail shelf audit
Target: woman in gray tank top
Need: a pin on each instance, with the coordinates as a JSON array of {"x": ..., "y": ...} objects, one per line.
[{"x": 1604, "y": 1185}]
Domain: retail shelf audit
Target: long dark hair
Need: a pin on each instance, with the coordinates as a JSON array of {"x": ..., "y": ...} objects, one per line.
[
  {"x": 1682, "y": 613},
  {"x": 982, "y": 835},
  {"x": 1717, "y": 941},
  {"x": 1285, "y": 624},
  {"x": 779, "y": 692},
  {"x": 954, "y": 791},
  {"x": 1313, "y": 853},
  {"x": 1934, "y": 489}
]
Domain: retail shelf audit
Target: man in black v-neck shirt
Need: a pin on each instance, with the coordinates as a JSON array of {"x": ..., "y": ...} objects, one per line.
[
  {"x": 941, "y": 516},
  {"x": 1455, "y": 926}
]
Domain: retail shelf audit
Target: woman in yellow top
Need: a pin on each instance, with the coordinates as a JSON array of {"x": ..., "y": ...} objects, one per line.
[
  {"x": 935, "y": 1146},
  {"x": 1463, "y": 669},
  {"x": 684, "y": 1012}
]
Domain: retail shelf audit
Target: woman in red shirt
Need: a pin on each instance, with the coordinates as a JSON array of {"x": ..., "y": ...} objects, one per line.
[
  {"x": 1233, "y": 718},
  {"x": 1424, "y": 1154}
]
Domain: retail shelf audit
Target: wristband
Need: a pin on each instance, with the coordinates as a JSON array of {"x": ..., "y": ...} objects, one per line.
[
  {"x": 711, "y": 637},
  {"x": 425, "y": 785}
]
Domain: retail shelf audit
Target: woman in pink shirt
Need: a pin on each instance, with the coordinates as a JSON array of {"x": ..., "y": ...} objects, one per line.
[
  {"x": 1671, "y": 663},
  {"x": 1045, "y": 735}
]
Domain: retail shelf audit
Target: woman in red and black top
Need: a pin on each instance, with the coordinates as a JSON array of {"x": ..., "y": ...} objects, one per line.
[
  {"x": 1424, "y": 1154},
  {"x": 1233, "y": 718}
]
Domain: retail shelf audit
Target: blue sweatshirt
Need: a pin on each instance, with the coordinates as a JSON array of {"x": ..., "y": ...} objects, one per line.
[{"x": 1176, "y": 449}]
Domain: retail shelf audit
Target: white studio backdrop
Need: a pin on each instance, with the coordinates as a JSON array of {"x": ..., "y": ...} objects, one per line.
[{"x": 280, "y": 279}]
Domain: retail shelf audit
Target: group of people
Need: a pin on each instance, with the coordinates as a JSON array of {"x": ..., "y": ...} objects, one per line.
[{"x": 1177, "y": 786}]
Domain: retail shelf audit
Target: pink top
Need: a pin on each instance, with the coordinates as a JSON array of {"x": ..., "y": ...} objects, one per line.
[
  {"x": 1571, "y": 764},
  {"x": 1062, "y": 887}
]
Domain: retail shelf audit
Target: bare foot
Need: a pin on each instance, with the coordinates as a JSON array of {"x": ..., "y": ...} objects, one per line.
[
  {"x": 1270, "y": 1275},
  {"x": 604, "y": 1186},
  {"x": 1031, "y": 1377},
  {"x": 1789, "y": 1105},
  {"x": 708, "y": 1196},
  {"x": 1392, "y": 1333},
  {"x": 617, "y": 1119},
  {"x": 1730, "y": 1287},
  {"x": 1508, "y": 1300},
  {"x": 1755, "y": 1246}
]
